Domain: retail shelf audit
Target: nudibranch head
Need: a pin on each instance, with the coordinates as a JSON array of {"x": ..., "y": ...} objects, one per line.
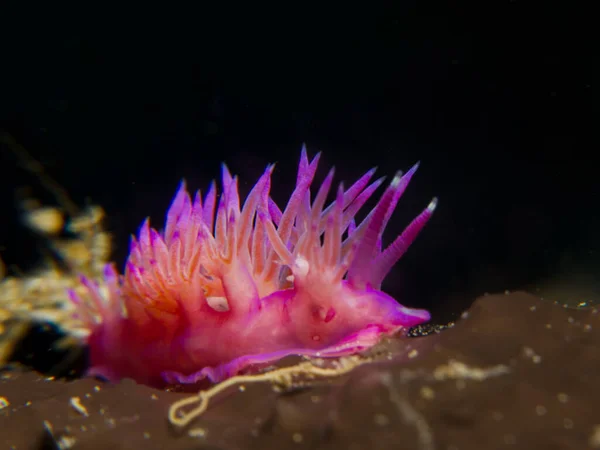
[{"x": 226, "y": 287}]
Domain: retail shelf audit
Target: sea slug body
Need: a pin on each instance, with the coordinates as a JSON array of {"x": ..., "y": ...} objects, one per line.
[{"x": 225, "y": 287}]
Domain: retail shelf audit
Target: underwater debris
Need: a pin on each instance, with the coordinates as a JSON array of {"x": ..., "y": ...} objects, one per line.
[
  {"x": 41, "y": 295},
  {"x": 283, "y": 378}
]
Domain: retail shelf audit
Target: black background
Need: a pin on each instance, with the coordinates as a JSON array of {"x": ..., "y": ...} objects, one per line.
[{"x": 494, "y": 99}]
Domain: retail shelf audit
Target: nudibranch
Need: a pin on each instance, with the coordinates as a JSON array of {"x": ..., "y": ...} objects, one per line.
[{"x": 226, "y": 288}]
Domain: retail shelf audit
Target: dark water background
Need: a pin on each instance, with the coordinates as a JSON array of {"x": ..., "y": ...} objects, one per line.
[{"x": 495, "y": 100}]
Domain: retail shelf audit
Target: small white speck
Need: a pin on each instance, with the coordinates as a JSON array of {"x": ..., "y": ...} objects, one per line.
[
  {"x": 381, "y": 420},
  {"x": 562, "y": 397},
  {"x": 48, "y": 426},
  {"x": 540, "y": 410},
  {"x": 66, "y": 442},
  {"x": 197, "y": 433},
  {"x": 77, "y": 406},
  {"x": 301, "y": 266},
  {"x": 396, "y": 180},
  {"x": 242, "y": 388},
  {"x": 549, "y": 326},
  {"x": 218, "y": 303},
  {"x": 532, "y": 308},
  {"x": 297, "y": 438},
  {"x": 432, "y": 205},
  {"x": 530, "y": 353},
  {"x": 427, "y": 393},
  {"x": 413, "y": 353},
  {"x": 587, "y": 327},
  {"x": 568, "y": 423}
]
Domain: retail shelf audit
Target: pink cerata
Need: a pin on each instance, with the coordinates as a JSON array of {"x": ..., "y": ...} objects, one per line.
[{"x": 224, "y": 289}]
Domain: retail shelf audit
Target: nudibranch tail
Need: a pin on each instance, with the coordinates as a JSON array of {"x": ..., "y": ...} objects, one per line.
[{"x": 229, "y": 285}]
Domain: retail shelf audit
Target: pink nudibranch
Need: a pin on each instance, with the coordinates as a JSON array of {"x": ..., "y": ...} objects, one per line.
[{"x": 225, "y": 288}]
